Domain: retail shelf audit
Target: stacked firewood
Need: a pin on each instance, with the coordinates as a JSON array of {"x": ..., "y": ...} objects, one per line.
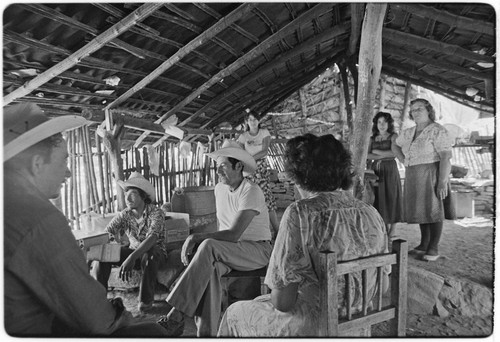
[{"x": 283, "y": 190}]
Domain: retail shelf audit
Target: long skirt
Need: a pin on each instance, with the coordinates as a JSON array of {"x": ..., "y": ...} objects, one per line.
[
  {"x": 421, "y": 202},
  {"x": 388, "y": 193},
  {"x": 261, "y": 178}
]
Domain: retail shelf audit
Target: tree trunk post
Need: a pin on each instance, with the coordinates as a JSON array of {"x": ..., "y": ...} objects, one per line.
[{"x": 370, "y": 64}]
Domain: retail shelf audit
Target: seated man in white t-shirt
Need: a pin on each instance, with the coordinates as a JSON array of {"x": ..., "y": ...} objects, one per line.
[{"x": 242, "y": 242}]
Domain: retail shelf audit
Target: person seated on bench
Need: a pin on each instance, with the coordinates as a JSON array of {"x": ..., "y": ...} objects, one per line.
[
  {"x": 242, "y": 242},
  {"x": 48, "y": 291},
  {"x": 328, "y": 217},
  {"x": 143, "y": 224}
]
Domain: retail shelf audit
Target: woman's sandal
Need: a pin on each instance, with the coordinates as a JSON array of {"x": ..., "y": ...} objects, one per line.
[{"x": 427, "y": 257}]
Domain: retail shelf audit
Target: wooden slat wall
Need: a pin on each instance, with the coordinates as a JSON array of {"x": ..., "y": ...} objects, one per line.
[{"x": 92, "y": 187}]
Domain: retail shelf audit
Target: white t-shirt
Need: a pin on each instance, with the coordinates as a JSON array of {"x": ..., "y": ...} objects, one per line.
[
  {"x": 247, "y": 196},
  {"x": 253, "y": 144}
]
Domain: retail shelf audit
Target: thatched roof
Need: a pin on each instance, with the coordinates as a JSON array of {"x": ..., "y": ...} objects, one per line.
[{"x": 206, "y": 63}]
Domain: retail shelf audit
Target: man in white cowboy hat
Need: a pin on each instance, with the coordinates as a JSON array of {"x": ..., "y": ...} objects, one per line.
[
  {"x": 242, "y": 242},
  {"x": 47, "y": 288},
  {"x": 143, "y": 224}
]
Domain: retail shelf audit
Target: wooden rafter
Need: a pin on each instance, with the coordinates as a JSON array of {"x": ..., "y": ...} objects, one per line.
[
  {"x": 266, "y": 68},
  {"x": 414, "y": 57},
  {"x": 458, "y": 97},
  {"x": 425, "y": 43},
  {"x": 279, "y": 82},
  {"x": 138, "y": 15},
  {"x": 319, "y": 9},
  {"x": 447, "y": 18},
  {"x": 189, "y": 47},
  {"x": 357, "y": 13},
  {"x": 59, "y": 17}
]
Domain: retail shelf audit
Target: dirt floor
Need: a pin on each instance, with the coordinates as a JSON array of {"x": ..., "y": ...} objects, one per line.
[{"x": 466, "y": 252}]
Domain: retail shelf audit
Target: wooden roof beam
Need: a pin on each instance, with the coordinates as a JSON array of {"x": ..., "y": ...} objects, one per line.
[
  {"x": 409, "y": 70},
  {"x": 54, "y": 15},
  {"x": 188, "y": 48},
  {"x": 414, "y": 76},
  {"x": 136, "y": 16},
  {"x": 357, "y": 14},
  {"x": 288, "y": 84},
  {"x": 319, "y": 9},
  {"x": 208, "y": 10},
  {"x": 453, "y": 96},
  {"x": 329, "y": 34},
  {"x": 440, "y": 47},
  {"x": 392, "y": 50},
  {"x": 278, "y": 84},
  {"x": 448, "y": 18},
  {"x": 84, "y": 78}
]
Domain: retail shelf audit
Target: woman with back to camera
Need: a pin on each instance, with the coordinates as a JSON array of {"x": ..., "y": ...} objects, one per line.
[
  {"x": 388, "y": 194},
  {"x": 256, "y": 140},
  {"x": 328, "y": 217},
  {"x": 425, "y": 150}
]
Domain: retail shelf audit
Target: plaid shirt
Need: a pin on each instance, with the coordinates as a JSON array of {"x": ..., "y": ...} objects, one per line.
[{"x": 125, "y": 222}]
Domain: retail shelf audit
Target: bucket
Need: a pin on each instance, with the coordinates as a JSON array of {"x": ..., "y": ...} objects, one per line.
[{"x": 199, "y": 203}]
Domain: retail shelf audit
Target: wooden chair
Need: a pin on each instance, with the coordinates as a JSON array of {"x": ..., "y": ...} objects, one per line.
[
  {"x": 330, "y": 270},
  {"x": 261, "y": 273}
]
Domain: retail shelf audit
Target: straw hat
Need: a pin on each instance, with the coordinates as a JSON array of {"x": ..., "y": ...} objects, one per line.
[
  {"x": 25, "y": 124},
  {"x": 231, "y": 148},
  {"x": 137, "y": 180}
]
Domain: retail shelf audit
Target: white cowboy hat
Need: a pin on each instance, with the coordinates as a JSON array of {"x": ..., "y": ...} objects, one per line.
[
  {"x": 25, "y": 124},
  {"x": 137, "y": 180},
  {"x": 231, "y": 148}
]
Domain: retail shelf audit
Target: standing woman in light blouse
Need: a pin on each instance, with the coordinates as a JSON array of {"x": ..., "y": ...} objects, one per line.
[
  {"x": 425, "y": 150},
  {"x": 256, "y": 140}
]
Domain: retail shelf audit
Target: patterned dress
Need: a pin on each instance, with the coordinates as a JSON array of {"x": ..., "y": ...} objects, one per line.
[
  {"x": 388, "y": 193},
  {"x": 422, "y": 172},
  {"x": 333, "y": 221}
]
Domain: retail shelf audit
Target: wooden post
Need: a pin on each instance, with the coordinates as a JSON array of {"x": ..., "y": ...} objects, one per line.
[
  {"x": 370, "y": 64},
  {"x": 112, "y": 142},
  {"x": 303, "y": 107},
  {"x": 347, "y": 100},
  {"x": 101, "y": 172},
  {"x": 406, "y": 104},
  {"x": 381, "y": 100}
]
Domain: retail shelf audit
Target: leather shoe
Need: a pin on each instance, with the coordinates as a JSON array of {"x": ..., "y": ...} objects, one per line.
[{"x": 174, "y": 328}]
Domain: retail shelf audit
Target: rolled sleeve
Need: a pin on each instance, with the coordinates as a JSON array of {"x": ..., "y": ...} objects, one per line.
[{"x": 288, "y": 260}]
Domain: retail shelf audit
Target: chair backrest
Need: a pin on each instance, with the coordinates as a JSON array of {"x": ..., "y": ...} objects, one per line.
[{"x": 330, "y": 270}]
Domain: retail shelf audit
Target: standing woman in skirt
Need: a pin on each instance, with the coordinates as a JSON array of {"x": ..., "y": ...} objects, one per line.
[
  {"x": 425, "y": 150},
  {"x": 256, "y": 141},
  {"x": 388, "y": 193}
]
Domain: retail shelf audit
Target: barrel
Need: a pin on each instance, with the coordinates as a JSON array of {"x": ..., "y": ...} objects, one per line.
[{"x": 199, "y": 203}]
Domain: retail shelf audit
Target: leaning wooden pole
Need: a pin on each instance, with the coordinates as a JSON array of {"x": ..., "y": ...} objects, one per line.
[
  {"x": 101, "y": 172},
  {"x": 370, "y": 64}
]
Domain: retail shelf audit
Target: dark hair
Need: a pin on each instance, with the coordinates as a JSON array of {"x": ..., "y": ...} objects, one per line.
[
  {"x": 145, "y": 197},
  {"x": 247, "y": 116},
  {"x": 428, "y": 106},
  {"x": 318, "y": 163},
  {"x": 388, "y": 118},
  {"x": 42, "y": 148}
]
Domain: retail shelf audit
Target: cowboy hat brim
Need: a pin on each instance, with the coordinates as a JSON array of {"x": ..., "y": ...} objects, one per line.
[
  {"x": 41, "y": 132},
  {"x": 249, "y": 164},
  {"x": 139, "y": 183}
]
